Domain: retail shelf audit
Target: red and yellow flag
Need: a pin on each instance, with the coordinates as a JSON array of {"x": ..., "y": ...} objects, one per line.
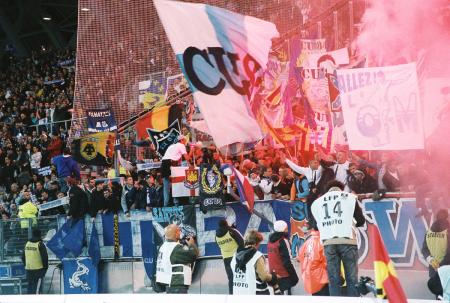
[{"x": 386, "y": 280}]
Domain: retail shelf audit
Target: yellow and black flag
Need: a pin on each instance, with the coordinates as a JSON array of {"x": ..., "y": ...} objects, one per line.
[{"x": 94, "y": 149}]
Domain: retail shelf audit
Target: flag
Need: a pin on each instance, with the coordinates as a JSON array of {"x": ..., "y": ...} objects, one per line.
[
  {"x": 211, "y": 188},
  {"x": 148, "y": 247},
  {"x": 94, "y": 246},
  {"x": 223, "y": 56},
  {"x": 153, "y": 91},
  {"x": 163, "y": 139},
  {"x": 180, "y": 185},
  {"x": 158, "y": 119},
  {"x": 386, "y": 280},
  {"x": 74, "y": 240},
  {"x": 381, "y": 107},
  {"x": 56, "y": 244},
  {"x": 291, "y": 90},
  {"x": 101, "y": 120},
  {"x": 245, "y": 189},
  {"x": 94, "y": 149}
]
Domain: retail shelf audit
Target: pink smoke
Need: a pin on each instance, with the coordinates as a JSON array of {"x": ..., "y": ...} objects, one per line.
[
  {"x": 403, "y": 31},
  {"x": 400, "y": 31}
]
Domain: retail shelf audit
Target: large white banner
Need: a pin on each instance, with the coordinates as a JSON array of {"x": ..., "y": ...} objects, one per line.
[
  {"x": 223, "y": 56},
  {"x": 381, "y": 106}
]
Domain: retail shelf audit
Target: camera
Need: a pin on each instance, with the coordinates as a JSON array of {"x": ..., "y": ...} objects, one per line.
[
  {"x": 366, "y": 285},
  {"x": 184, "y": 240}
]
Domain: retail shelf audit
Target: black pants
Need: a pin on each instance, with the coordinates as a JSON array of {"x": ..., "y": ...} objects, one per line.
[
  {"x": 177, "y": 289},
  {"x": 323, "y": 292},
  {"x": 33, "y": 277},
  {"x": 229, "y": 271},
  {"x": 435, "y": 286}
]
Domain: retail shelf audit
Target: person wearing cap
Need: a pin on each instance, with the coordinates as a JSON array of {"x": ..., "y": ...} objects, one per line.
[
  {"x": 174, "y": 153},
  {"x": 333, "y": 215},
  {"x": 35, "y": 258},
  {"x": 249, "y": 266},
  {"x": 229, "y": 240},
  {"x": 279, "y": 255}
]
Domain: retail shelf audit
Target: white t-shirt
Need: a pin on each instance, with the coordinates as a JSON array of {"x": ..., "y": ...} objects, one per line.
[
  {"x": 334, "y": 214},
  {"x": 175, "y": 151}
]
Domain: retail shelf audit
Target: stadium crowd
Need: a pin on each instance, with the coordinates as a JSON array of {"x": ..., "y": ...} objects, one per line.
[{"x": 39, "y": 90}]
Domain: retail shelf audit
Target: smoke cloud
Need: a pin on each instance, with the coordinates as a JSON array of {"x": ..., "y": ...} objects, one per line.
[{"x": 403, "y": 31}]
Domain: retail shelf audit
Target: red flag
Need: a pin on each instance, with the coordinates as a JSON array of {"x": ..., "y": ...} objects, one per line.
[{"x": 386, "y": 280}]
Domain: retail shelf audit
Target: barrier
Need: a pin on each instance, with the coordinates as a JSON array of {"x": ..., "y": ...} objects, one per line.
[
  {"x": 403, "y": 234},
  {"x": 157, "y": 298}
]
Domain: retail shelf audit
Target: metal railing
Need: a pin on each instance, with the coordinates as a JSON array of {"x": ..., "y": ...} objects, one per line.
[{"x": 14, "y": 234}]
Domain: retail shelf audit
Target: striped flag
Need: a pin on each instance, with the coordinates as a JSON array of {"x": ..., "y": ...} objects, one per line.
[
  {"x": 386, "y": 280},
  {"x": 158, "y": 119},
  {"x": 245, "y": 189}
]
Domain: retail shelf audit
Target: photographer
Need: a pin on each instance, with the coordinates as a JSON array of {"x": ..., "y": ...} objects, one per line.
[
  {"x": 250, "y": 273},
  {"x": 173, "y": 267}
]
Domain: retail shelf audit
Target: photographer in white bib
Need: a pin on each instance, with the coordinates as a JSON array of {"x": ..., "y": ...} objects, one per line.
[
  {"x": 173, "y": 266},
  {"x": 333, "y": 214}
]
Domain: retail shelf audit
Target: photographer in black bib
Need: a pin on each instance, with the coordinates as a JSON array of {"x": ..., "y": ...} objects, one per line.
[{"x": 334, "y": 213}]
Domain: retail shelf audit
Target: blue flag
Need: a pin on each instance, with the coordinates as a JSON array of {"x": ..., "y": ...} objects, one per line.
[
  {"x": 56, "y": 244},
  {"x": 148, "y": 247},
  {"x": 74, "y": 240},
  {"x": 94, "y": 246}
]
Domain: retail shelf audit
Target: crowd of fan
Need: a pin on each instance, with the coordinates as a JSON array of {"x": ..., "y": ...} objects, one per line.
[
  {"x": 33, "y": 91},
  {"x": 40, "y": 88}
]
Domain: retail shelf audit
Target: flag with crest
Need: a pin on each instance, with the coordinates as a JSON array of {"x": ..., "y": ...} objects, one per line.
[{"x": 163, "y": 139}]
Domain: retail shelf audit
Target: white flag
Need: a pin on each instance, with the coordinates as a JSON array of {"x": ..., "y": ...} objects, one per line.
[
  {"x": 223, "y": 56},
  {"x": 381, "y": 106}
]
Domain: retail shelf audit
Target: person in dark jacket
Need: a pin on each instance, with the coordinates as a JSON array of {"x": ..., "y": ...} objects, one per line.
[
  {"x": 98, "y": 201},
  {"x": 140, "y": 199},
  {"x": 392, "y": 179},
  {"x": 280, "y": 257},
  {"x": 229, "y": 240},
  {"x": 35, "y": 258},
  {"x": 78, "y": 204},
  {"x": 361, "y": 183},
  {"x": 436, "y": 245}
]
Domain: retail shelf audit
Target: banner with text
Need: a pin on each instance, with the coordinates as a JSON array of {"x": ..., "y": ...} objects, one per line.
[
  {"x": 101, "y": 120},
  {"x": 381, "y": 107}
]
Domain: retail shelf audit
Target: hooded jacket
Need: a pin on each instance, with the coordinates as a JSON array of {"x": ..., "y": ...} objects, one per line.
[{"x": 313, "y": 264}]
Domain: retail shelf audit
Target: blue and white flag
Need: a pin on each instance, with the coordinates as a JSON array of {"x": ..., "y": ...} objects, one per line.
[
  {"x": 101, "y": 120},
  {"x": 223, "y": 56}
]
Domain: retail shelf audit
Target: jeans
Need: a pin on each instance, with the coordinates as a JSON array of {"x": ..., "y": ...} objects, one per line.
[
  {"x": 348, "y": 254},
  {"x": 63, "y": 185},
  {"x": 166, "y": 191}
]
